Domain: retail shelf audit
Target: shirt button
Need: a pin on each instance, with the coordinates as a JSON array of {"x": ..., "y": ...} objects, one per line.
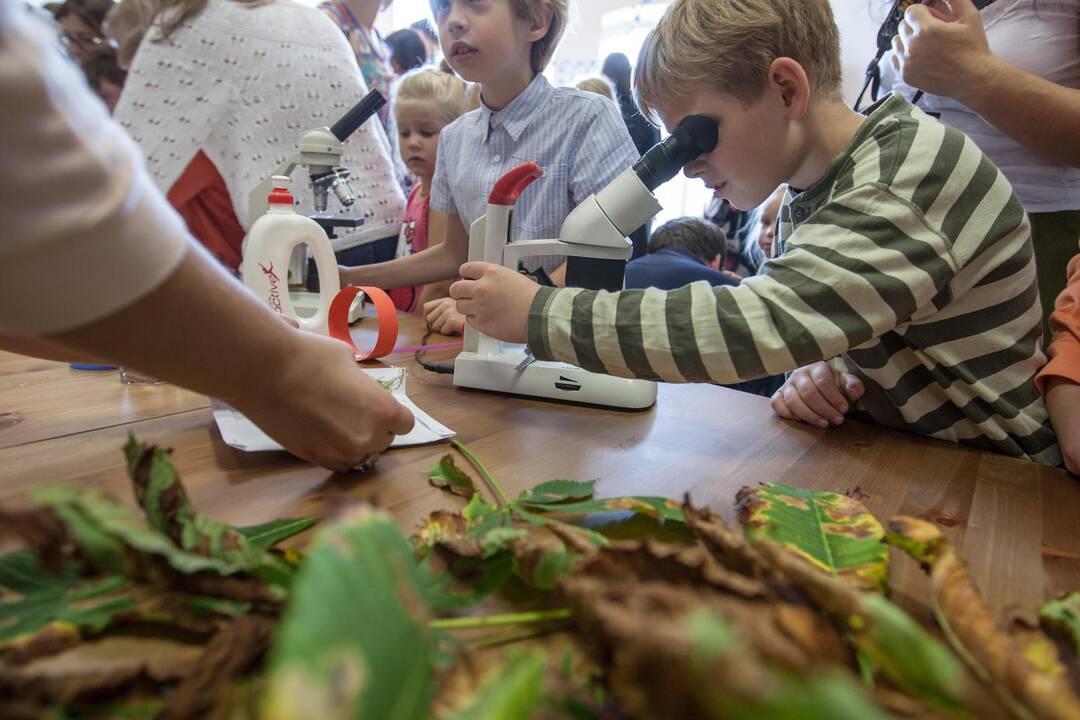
[{"x": 498, "y": 158}]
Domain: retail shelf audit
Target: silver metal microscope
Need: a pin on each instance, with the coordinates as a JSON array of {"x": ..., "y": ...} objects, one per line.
[{"x": 320, "y": 151}]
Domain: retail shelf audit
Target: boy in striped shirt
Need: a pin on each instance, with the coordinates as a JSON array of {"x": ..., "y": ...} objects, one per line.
[{"x": 903, "y": 251}]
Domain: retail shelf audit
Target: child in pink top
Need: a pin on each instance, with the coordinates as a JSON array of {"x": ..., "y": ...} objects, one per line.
[{"x": 426, "y": 101}]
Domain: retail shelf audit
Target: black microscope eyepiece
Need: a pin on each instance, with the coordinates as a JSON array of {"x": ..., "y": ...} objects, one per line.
[{"x": 696, "y": 135}]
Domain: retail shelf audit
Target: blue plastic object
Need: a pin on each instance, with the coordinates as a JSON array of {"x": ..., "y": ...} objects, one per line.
[{"x": 91, "y": 367}]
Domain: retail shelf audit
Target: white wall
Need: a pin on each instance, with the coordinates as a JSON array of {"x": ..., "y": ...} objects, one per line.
[
  {"x": 857, "y": 21},
  {"x": 581, "y": 43}
]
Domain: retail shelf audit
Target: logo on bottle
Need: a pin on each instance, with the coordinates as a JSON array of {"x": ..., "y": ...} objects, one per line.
[{"x": 274, "y": 297}]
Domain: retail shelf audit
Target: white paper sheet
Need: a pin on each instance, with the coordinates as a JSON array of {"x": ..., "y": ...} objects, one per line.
[{"x": 239, "y": 432}]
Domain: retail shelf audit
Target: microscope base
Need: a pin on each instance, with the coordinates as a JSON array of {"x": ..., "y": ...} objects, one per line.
[{"x": 549, "y": 380}]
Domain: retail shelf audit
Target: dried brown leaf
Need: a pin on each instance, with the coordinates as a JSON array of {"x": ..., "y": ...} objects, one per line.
[
  {"x": 1024, "y": 668},
  {"x": 674, "y": 564},
  {"x": 41, "y": 529},
  {"x": 228, "y": 656},
  {"x": 52, "y": 639},
  {"x": 97, "y": 669},
  {"x": 731, "y": 548},
  {"x": 640, "y": 631}
]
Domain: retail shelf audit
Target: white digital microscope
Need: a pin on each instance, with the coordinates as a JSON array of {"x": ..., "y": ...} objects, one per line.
[
  {"x": 320, "y": 151},
  {"x": 594, "y": 239}
]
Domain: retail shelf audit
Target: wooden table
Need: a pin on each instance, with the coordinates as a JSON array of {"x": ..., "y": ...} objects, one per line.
[{"x": 1018, "y": 523}]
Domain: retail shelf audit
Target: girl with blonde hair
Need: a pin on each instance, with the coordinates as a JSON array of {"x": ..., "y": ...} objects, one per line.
[{"x": 425, "y": 101}]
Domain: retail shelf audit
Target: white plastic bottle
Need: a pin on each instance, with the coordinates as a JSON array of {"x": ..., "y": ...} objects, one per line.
[{"x": 269, "y": 246}]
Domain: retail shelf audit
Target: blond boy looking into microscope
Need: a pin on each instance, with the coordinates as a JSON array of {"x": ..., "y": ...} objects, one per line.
[
  {"x": 902, "y": 248},
  {"x": 578, "y": 138}
]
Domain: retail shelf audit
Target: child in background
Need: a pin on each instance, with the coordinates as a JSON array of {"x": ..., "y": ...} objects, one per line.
[
  {"x": 682, "y": 251},
  {"x": 597, "y": 85},
  {"x": 578, "y": 138},
  {"x": 1059, "y": 381},
  {"x": 105, "y": 76},
  {"x": 426, "y": 101},
  {"x": 758, "y": 246},
  {"x": 902, "y": 248},
  {"x": 408, "y": 51}
]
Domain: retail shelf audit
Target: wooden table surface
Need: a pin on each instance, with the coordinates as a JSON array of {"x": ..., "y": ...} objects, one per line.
[{"x": 1018, "y": 523}]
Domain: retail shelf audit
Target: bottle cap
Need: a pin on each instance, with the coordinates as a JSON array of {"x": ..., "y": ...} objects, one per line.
[{"x": 280, "y": 194}]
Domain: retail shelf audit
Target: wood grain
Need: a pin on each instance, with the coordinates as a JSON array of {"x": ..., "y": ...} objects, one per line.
[{"x": 1018, "y": 523}]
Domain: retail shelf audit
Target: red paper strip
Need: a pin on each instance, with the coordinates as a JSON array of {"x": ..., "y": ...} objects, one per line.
[{"x": 385, "y": 314}]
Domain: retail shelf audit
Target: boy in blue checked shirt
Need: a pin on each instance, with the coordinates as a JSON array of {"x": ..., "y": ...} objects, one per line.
[{"x": 578, "y": 138}]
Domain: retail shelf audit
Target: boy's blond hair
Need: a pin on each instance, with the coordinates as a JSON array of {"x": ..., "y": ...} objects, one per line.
[
  {"x": 730, "y": 44},
  {"x": 443, "y": 94},
  {"x": 533, "y": 11},
  {"x": 598, "y": 85}
]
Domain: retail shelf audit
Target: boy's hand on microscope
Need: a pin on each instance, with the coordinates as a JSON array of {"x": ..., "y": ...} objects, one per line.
[
  {"x": 442, "y": 316},
  {"x": 818, "y": 395},
  {"x": 322, "y": 407},
  {"x": 495, "y": 300}
]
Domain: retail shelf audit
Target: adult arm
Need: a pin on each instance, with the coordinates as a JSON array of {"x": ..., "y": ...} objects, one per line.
[
  {"x": 950, "y": 56},
  {"x": 100, "y": 264}
]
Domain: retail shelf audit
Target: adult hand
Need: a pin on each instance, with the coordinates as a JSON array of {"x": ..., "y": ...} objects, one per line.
[
  {"x": 817, "y": 395},
  {"x": 442, "y": 316},
  {"x": 495, "y": 300},
  {"x": 942, "y": 53},
  {"x": 323, "y": 408}
]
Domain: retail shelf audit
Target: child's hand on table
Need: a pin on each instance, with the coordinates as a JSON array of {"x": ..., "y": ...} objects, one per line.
[
  {"x": 495, "y": 300},
  {"x": 442, "y": 316},
  {"x": 818, "y": 395}
]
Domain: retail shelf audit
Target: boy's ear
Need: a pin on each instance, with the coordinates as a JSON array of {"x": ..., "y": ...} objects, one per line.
[
  {"x": 539, "y": 28},
  {"x": 788, "y": 80}
]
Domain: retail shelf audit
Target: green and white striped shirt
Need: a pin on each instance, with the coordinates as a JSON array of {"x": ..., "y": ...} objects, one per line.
[{"x": 911, "y": 259}]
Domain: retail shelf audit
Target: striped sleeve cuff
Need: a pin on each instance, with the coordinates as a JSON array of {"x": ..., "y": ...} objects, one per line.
[{"x": 538, "y": 330}]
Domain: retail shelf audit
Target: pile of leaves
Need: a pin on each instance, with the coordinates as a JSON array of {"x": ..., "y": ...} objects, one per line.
[{"x": 553, "y": 604}]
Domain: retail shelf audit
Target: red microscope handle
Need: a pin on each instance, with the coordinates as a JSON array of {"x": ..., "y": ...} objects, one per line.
[{"x": 510, "y": 186}]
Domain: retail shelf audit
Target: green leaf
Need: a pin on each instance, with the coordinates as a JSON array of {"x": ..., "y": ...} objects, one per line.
[
  {"x": 557, "y": 491},
  {"x": 499, "y": 539},
  {"x": 551, "y": 568},
  {"x": 271, "y": 533},
  {"x": 162, "y": 496},
  {"x": 354, "y": 641},
  {"x": 512, "y": 695},
  {"x": 907, "y": 654},
  {"x": 1063, "y": 616},
  {"x": 444, "y": 592},
  {"x": 448, "y": 476},
  {"x": 834, "y": 532},
  {"x": 482, "y": 517},
  {"x": 655, "y": 507},
  {"x": 39, "y": 599},
  {"x": 108, "y": 534}
]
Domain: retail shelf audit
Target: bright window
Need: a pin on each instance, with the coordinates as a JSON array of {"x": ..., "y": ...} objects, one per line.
[{"x": 624, "y": 31}]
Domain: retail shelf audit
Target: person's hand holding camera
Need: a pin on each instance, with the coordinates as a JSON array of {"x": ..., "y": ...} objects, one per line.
[{"x": 941, "y": 48}]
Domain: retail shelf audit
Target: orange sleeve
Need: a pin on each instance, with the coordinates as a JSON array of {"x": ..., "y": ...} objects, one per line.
[{"x": 1064, "y": 349}]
